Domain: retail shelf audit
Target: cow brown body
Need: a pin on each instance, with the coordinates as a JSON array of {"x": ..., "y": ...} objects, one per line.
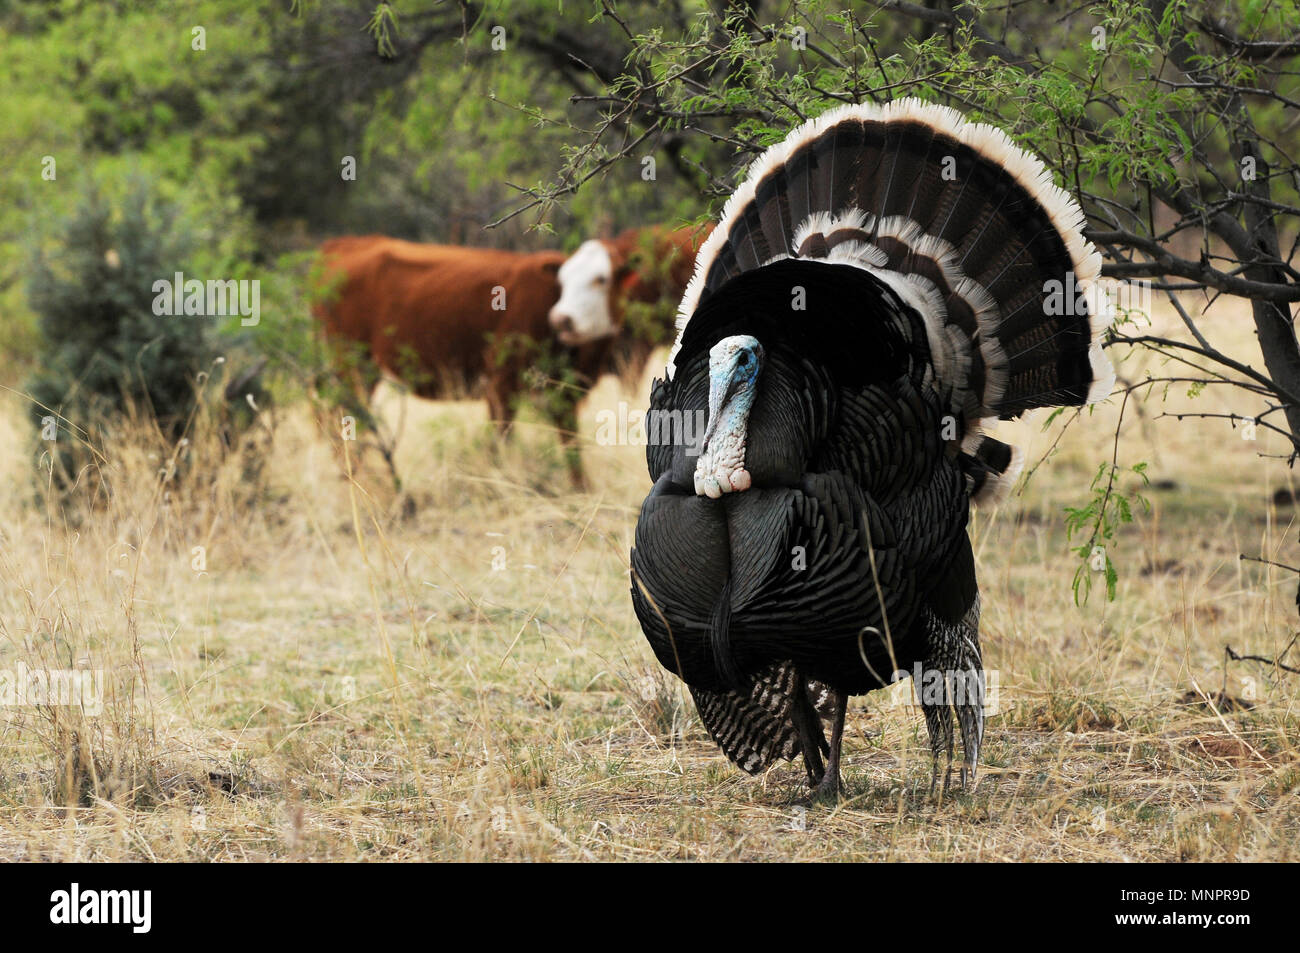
[{"x": 442, "y": 318}]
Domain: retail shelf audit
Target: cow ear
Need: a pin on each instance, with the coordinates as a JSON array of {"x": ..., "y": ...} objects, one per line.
[
  {"x": 552, "y": 267},
  {"x": 638, "y": 258},
  {"x": 626, "y": 280},
  {"x": 628, "y": 266}
]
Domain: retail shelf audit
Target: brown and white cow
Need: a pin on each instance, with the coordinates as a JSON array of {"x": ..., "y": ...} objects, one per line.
[
  {"x": 605, "y": 279},
  {"x": 442, "y": 318}
]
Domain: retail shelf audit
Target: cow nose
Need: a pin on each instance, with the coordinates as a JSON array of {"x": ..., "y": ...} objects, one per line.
[{"x": 561, "y": 322}]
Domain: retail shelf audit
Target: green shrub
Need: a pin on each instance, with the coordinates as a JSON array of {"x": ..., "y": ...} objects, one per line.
[
  {"x": 101, "y": 343},
  {"x": 104, "y": 355}
]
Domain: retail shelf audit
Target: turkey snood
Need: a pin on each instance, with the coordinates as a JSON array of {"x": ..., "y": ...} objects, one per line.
[{"x": 734, "y": 364}]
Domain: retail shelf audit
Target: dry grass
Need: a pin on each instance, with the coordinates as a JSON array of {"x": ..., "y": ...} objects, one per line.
[{"x": 342, "y": 684}]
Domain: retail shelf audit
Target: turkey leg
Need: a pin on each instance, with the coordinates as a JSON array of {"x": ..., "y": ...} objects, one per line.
[
  {"x": 809, "y": 725},
  {"x": 830, "y": 783}
]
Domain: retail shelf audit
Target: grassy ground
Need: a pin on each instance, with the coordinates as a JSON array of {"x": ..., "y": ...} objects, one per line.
[{"x": 324, "y": 680}]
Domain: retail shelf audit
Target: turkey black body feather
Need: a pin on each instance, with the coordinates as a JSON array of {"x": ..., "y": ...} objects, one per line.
[{"x": 883, "y": 281}]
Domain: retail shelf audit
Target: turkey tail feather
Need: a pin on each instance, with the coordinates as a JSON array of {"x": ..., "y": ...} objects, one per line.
[
  {"x": 755, "y": 727},
  {"x": 991, "y": 467}
]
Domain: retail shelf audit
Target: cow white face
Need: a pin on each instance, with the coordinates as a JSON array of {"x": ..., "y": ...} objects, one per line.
[{"x": 583, "y": 314}]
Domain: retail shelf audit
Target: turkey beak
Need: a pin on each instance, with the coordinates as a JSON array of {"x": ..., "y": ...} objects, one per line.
[{"x": 733, "y": 385}]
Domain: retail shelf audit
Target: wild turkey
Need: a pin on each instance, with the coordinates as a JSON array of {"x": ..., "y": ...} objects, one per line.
[{"x": 883, "y": 281}]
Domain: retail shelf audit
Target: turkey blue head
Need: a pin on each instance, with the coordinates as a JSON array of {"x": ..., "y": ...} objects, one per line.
[{"x": 734, "y": 366}]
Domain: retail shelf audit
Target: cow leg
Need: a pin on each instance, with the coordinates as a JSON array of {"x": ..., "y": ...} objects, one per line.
[
  {"x": 566, "y": 423},
  {"x": 573, "y": 457},
  {"x": 365, "y": 386},
  {"x": 501, "y": 391}
]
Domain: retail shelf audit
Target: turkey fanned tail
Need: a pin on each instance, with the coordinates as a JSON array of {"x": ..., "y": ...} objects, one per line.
[{"x": 963, "y": 224}]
